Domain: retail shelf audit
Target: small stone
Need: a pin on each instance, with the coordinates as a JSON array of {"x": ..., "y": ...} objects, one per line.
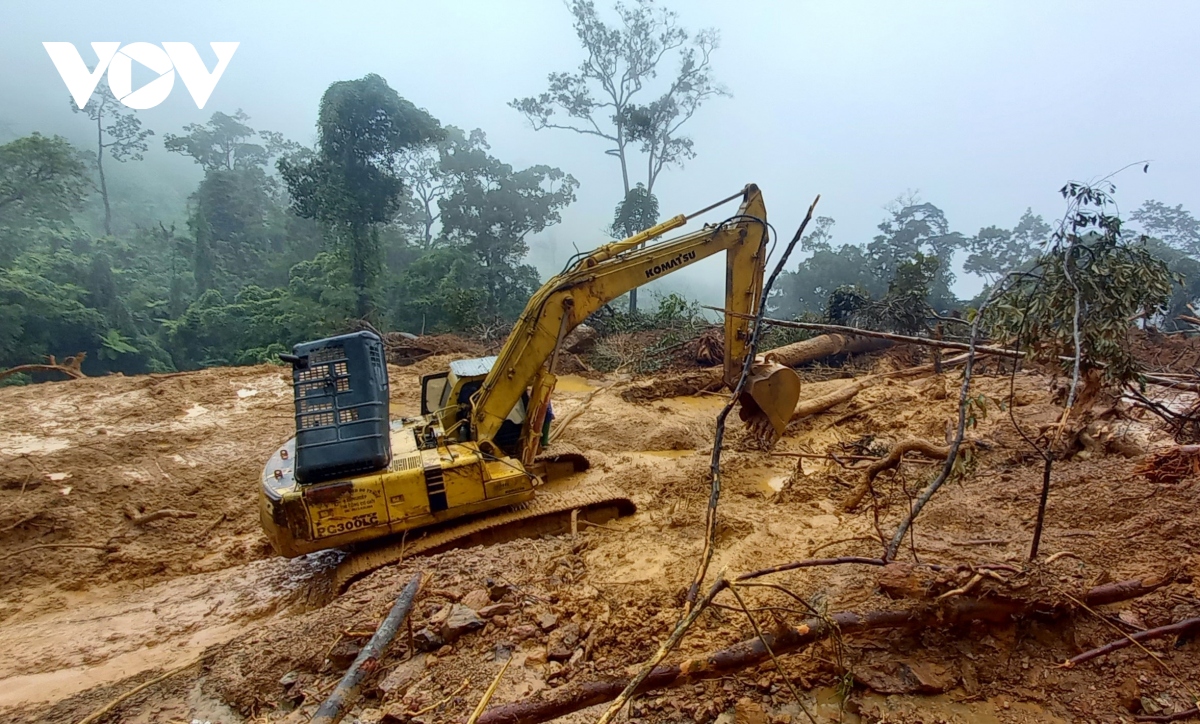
[
  {"x": 476, "y": 599},
  {"x": 547, "y": 621},
  {"x": 427, "y": 640},
  {"x": 524, "y": 631},
  {"x": 576, "y": 657},
  {"x": 399, "y": 679},
  {"x": 497, "y": 591},
  {"x": 343, "y": 654},
  {"x": 496, "y": 609},
  {"x": 537, "y": 657},
  {"x": 500, "y": 621},
  {"x": 445, "y": 651},
  {"x": 747, "y": 711},
  {"x": 460, "y": 620},
  {"x": 563, "y": 642},
  {"x": 289, "y": 679}
]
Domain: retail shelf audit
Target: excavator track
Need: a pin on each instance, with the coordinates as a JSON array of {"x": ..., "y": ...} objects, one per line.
[{"x": 549, "y": 512}]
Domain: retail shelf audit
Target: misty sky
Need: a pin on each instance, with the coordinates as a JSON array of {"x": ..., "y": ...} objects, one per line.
[{"x": 984, "y": 108}]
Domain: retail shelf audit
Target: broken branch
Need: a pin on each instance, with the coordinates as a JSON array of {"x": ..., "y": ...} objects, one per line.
[
  {"x": 366, "y": 663},
  {"x": 1180, "y": 627},
  {"x": 752, "y": 652},
  {"x": 893, "y": 458}
]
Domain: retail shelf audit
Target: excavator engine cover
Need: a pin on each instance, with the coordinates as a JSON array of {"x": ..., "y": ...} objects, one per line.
[{"x": 769, "y": 399}]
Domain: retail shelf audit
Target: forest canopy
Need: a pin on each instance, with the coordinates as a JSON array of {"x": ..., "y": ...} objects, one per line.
[{"x": 409, "y": 223}]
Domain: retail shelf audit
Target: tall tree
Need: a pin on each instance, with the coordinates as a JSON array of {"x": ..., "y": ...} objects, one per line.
[
  {"x": 237, "y": 215},
  {"x": 42, "y": 182},
  {"x": 636, "y": 212},
  {"x": 123, "y": 137},
  {"x": 604, "y": 97},
  {"x": 353, "y": 184},
  {"x": 996, "y": 251},
  {"x": 912, "y": 228},
  {"x": 1175, "y": 225},
  {"x": 227, "y": 143},
  {"x": 490, "y": 211}
]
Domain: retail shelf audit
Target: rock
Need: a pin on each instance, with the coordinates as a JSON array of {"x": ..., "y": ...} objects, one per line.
[
  {"x": 537, "y": 657},
  {"x": 399, "y": 679},
  {"x": 746, "y": 711},
  {"x": 524, "y": 631},
  {"x": 500, "y": 621},
  {"x": 458, "y": 620},
  {"x": 427, "y": 640},
  {"x": 547, "y": 621},
  {"x": 906, "y": 677},
  {"x": 496, "y": 609},
  {"x": 904, "y": 580},
  {"x": 445, "y": 651},
  {"x": 576, "y": 657},
  {"x": 563, "y": 642},
  {"x": 497, "y": 591},
  {"x": 581, "y": 339},
  {"x": 289, "y": 679},
  {"x": 476, "y": 599},
  {"x": 343, "y": 654}
]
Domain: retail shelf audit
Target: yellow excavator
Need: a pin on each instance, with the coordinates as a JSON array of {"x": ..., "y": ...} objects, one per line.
[{"x": 471, "y": 466}]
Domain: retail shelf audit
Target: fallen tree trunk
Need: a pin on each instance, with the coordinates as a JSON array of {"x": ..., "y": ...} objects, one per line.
[
  {"x": 753, "y": 651},
  {"x": 791, "y": 355}
]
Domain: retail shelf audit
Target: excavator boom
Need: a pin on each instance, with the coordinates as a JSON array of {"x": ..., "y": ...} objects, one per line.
[{"x": 569, "y": 298}]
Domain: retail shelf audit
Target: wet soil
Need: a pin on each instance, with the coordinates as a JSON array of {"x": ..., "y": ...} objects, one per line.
[{"x": 80, "y": 461}]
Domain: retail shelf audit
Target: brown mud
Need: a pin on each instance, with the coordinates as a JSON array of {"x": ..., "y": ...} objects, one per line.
[{"x": 80, "y": 460}]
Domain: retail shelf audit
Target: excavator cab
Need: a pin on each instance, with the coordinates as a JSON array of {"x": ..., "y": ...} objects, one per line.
[{"x": 448, "y": 396}]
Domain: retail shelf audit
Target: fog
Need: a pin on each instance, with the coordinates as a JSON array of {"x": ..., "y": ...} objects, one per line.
[{"x": 983, "y": 108}]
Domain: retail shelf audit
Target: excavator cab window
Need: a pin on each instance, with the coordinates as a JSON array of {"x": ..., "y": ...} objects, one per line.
[{"x": 433, "y": 392}]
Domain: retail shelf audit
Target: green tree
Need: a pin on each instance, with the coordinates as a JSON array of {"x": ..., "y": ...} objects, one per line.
[
  {"x": 1081, "y": 292},
  {"x": 241, "y": 230},
  {"x": 1174, "y": 225},
  {"x": 912, "y": 228},
  {"x": 123, "y": 137},
  {"x": 638, "y": 211},
  {"x": 490, "y": 210},
  {"x": 996, "y": 251},
  {"x": 827, "y": 268},
  {"x": 604, "y": 97},
  {"x": 43, "y": 181},
  {"x": 352, "y": 184}
]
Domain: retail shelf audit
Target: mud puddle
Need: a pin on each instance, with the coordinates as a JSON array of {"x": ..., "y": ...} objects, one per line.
[{"x": 67, "y": 642}]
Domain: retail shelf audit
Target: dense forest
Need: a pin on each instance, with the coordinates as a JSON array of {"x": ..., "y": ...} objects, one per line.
[
  {"x": 408, "y": 222},
  {"x": 284, "y": 243}
]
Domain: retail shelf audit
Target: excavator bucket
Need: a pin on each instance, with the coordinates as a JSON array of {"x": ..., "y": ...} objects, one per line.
[{"x": 769, "y": 399}]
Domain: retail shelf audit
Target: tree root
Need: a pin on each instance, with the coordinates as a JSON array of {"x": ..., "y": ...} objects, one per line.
[
  {"x": 751, "y": 652},
  {"x": 138, "y": 519},
  {"x": 894, "y": 456},
  {"x": 106, "y": 547}
]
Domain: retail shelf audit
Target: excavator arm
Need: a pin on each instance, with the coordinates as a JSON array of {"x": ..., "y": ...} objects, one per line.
[{"x": 569, "y": 298}]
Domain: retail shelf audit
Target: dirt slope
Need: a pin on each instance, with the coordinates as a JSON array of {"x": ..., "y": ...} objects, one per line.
[{"x": 85, "y": 625}]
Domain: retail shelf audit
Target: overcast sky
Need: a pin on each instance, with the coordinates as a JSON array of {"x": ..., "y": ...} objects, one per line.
[{"x": 984, "y": 108}]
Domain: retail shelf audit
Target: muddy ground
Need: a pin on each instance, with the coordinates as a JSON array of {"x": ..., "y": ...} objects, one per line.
[{"x": 95, "y": 601}]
